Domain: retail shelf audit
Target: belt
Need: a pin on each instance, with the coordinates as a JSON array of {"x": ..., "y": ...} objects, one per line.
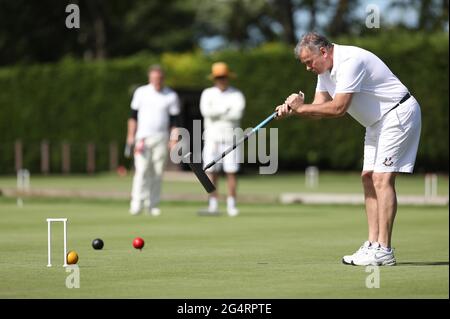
[{"x": 407, "y": 96}]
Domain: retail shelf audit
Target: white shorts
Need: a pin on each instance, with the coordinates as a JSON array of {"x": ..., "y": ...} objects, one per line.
[
  {"x": 391, "y": 143},
  {"x": 229, "y": 164}
]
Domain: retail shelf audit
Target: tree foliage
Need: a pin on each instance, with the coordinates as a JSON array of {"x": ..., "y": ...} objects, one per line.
[{"x": 34, "y": 31}]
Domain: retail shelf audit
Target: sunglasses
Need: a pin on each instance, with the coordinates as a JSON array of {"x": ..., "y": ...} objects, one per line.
[{"x": 221, "y": 77}]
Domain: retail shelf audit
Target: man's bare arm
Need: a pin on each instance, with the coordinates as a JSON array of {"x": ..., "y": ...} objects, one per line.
[
  {"x": 131, "y": 131},
  {"x": 321, "y": 97},
  {"x": 336, "y": 107}
]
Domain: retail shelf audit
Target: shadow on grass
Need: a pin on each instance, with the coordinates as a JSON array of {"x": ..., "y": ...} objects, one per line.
[{"x": 423, "y": 263}]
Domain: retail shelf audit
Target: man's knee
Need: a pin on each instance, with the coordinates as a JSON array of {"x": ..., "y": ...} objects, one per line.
[
  {"x": 158, "y": 172},
  {"x": 366, "y": 178},
  {"x": 383, "y": 180},
  {"x": 140, "y": 172}
]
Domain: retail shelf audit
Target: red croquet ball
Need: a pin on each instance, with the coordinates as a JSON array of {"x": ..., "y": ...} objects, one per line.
[{"x": 138, "y": 243}]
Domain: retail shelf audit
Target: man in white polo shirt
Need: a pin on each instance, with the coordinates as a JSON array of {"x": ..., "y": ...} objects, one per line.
[
  {"x": 222, "y": 107},
  {"x": 154, "y": 108},
  {"x": 356, "y": 81}
]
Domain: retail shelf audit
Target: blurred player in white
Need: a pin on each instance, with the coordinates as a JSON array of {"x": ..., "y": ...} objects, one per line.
[
  {"x": 154, "y": 110},
  {"x": 222, "y": 107}
]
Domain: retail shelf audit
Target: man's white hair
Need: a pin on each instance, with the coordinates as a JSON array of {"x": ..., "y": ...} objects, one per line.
[
  {"x": 312, "y": 41},
  {"x": 155, "y": 67}
]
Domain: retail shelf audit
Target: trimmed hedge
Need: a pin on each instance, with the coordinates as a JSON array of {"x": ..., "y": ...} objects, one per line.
[{"x": 84, "y": 102}]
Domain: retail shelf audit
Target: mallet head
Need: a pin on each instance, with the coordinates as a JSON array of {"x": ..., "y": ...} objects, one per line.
[{"x": 197, "y": 168}]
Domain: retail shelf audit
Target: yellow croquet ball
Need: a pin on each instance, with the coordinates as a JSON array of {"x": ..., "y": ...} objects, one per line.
[{"x": 72, "y": 257}]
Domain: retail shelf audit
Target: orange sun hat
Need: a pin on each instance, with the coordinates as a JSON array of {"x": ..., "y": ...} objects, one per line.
[{"x": 220, "y": 69}]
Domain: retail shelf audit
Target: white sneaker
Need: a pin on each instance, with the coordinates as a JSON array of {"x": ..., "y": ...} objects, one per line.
[
  {"x": 232, "y": 211},
  {"x": 385, "y": 257},
  {"x": 135, "y": 208},
  {"x": 155, "y": 211},
  {"x": 375, "y": 256},
  {"x": 361, "y": 251}
]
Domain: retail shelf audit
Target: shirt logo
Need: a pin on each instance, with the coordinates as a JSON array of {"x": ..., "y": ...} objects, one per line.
[{"x": 388, "y": 161}]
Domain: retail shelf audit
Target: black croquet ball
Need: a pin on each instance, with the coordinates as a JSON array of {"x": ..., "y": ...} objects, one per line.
[{"x": 97, "y": 243}]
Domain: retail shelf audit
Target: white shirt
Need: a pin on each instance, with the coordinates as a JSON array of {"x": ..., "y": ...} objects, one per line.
[
  {"x": 376, "y": 89},
  {"x": 154, "y": 109},
  {"x": 222, "y": 112}
]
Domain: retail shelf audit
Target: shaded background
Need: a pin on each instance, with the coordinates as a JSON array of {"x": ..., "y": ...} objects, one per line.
[{"x": 70, "y": 89}]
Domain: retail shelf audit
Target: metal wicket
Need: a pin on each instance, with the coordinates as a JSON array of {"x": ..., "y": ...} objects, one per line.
[
  {"x": 431, "y": 185},
  {"x": 49, "y": 221},
  {"x": 23, "y": 184},
  {"x": 312, "y": 177}
]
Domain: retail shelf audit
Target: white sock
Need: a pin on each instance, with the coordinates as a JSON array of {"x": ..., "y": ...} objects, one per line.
[
  {"x": 231, "y": 202},
  {"x": 212, "y": 204},
  {"x": 387, "y": 249}
]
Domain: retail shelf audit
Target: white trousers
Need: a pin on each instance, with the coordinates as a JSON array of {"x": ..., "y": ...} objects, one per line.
[{"x": 149, "y": 167}]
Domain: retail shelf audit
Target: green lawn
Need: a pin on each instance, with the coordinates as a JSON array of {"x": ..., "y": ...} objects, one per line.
[{"x": 268, "y": 251}]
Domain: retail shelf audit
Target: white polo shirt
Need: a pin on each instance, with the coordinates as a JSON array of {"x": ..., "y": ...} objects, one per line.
[
  {"x": 376, "y": 89},
  {"x": 154, "y": 109},
  {"x": 222, "y": 112}
]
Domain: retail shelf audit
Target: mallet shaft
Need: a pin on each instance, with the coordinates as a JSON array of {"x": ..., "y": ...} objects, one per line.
[{"x": 242, "y": 140}]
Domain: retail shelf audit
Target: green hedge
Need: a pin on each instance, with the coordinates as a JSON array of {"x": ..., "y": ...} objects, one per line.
[{"x": 84, "y": 102}]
